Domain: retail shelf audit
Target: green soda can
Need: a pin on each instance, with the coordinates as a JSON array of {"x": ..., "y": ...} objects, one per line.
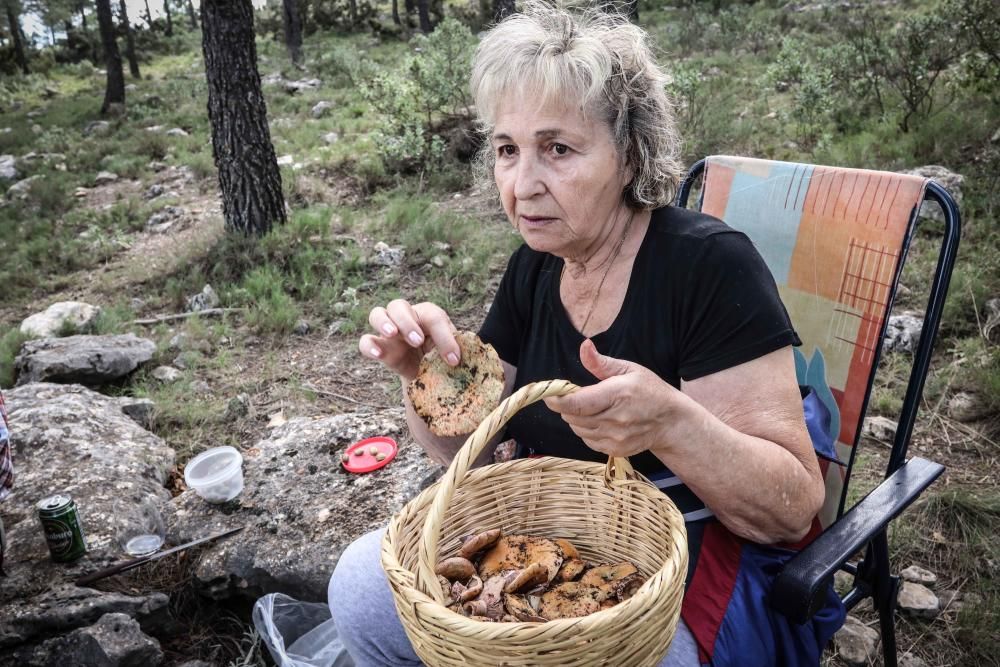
[{"x": 63, "y": 530}]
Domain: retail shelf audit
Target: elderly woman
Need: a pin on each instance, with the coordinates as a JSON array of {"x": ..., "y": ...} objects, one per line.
[{"x": 668, "y": 319}]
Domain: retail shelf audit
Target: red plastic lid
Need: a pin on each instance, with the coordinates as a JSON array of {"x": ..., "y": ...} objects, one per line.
[{"x": 365, "y": 461}]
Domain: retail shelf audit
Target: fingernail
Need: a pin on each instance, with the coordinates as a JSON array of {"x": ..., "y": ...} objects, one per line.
[
  {"x": 453, "y": 359},
  {"x": 415, "y": 338},
  {"x": 388, "y": 329},
  {"x": 375, "y": 352}
]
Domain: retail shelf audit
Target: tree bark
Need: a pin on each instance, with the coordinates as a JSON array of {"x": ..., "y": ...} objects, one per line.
[
  {"x": 252, "y": 199},
  {"x": 149, "y": 16},
  {"x": 114, "y": 94},
  {"x": 354, "y": 13},
  {"x": 395, "y": 12},
  {"x": 83, "y": 17},
  {"x": 293, "y": 29},
  {"x": 193, "y": 21},
  {"x": 133, "y": 63},
  {"x": 410, "y": 6},
  {"x": 170, "y": 20},
  {"x": 502, "y": 8},
  {"x": 423, "y": 9},
  {"x": 15, "y": 33}
]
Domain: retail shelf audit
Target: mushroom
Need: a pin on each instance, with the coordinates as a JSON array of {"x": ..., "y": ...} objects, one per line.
[
  {"x": 476, "y": 543},
  {"x": 568, "y": 550},
  {"x": 456, "y": 568},
  {"x": 570, "y": 599},
  {"x": 571, "y": 569},
  {"x": 472, "y": 589},
  {"x": 606, "y": 577},
  {"x": 534, "y": 574},
  {"x": 519, "y": 607},
  {"x": 516, "y": 552},
  {"x": 626, "y": 587}
]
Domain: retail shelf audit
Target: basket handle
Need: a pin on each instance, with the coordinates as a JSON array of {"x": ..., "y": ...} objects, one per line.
[{"x": 617, "y": 469}]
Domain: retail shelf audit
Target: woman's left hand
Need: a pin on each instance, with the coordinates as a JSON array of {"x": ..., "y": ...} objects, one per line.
[{"x": 625, "y": 413}]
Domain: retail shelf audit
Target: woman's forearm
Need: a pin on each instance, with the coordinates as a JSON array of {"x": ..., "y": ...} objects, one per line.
[{"x": 757, "y": 488}]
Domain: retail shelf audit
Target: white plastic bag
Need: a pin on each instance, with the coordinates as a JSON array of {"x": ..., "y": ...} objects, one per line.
[{"x": 299, "y": 634}]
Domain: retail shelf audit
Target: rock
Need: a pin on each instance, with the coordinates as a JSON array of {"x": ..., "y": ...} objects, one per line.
[
  {"x": 69, "y": 439},
  {"x": 856, "y": 643},
  {"x": 843, "y": 582},
  {"x": 967, "y": 407},
  {"x": 919, "y": 575},
  {"x": 991, "y": 330},
  {"x": 114, "y": 641},
  {"x": 167, "y": 214},
  {"x": 238, "y": 406},
  {"x": 81, "y": 192},
  {"x": 196, "y": 663},
  {"x": 176, "y": 132},
  {"x": 903, "y": 332},
  {"x": 273, "y": 79},
  {"x": 880, "y": 428},
  {"x": 53, "y": 319},
  {"x": 155, "y": 129},
  {"x": 8, "y": 168},
  {"x": 37, "y": 129},
  {"x": 204, "y": 300},
  {"x": 290, "y": 477},
  {"x": 285, "y": 160},
  {"x": 917, "y": 600},
  {"x": 20, "y": 190},
  {"x": 156, "y": 165},
  {"x": 439, "y": 261},
  {"x": 105, "y": 177},
  {"x": 301, "y": 328},
  {"x": 178, "y": 342},
  {"x": 97, "y": 128},
  {"x": 131, "y": 88},
  {"x": 200, "y": 387},
  {"x": 293, "y": 87},
  {"x": 153, "y": 191},
  {"x": 948, "y": 179},
  {"x": 331, "y": 137},
  {"x": 910, "y": 660},
  {"x": 85, "y": 359},
  {"x": 335, "y": 327},
  {"x": 388, "y": 256},
  {"x": 320, "y": 109},
  {"x": 167, "y": 374}
]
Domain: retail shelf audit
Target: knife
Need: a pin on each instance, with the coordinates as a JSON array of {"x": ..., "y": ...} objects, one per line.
[{"x": 136, "y": 562}]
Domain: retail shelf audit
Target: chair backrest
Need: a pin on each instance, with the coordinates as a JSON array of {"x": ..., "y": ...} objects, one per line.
[{"x": 834, "y": 240}]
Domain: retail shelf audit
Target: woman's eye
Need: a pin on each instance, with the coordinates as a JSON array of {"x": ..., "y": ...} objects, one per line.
[
  {"x": 506, "y": 150},
  {"x": 560, "y": 149}
]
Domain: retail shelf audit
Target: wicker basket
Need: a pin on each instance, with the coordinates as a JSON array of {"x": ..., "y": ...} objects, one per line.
[{"x": 610, "y": 513}]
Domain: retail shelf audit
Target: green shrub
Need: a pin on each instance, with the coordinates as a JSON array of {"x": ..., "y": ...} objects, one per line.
[{"x": 10, "y": 345}]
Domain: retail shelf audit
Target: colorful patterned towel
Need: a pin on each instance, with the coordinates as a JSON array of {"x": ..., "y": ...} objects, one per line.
[{"x": 833, "y": 239}]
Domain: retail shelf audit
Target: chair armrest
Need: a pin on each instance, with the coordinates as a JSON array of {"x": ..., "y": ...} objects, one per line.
[{"x": 798, "y": 589}]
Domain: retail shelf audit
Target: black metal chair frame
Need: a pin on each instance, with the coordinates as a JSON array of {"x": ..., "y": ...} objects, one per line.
[{"x": 798, "y": 589}]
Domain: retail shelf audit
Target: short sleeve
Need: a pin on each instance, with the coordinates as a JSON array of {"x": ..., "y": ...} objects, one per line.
[
  {"x": 508, "y": 315},
  {"x": 732, "y": 312}
]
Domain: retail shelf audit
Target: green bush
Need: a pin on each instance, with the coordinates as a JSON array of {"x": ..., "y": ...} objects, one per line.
[{"x": 10, "y": 345}]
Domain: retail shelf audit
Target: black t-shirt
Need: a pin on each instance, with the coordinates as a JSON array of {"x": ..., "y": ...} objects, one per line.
[{"x": 700, "y": 300}]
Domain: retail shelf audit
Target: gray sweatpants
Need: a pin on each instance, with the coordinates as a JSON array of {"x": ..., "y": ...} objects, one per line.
[{"x": 366, "y": 619}]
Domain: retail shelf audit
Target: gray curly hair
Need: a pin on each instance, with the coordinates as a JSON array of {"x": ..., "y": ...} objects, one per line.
[{"x": 600, "y": 59}]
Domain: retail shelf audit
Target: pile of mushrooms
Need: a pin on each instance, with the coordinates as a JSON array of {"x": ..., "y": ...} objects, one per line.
[{"x": 512, "y": 578}]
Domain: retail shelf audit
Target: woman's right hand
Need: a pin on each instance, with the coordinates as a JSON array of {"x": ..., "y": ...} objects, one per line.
[{"x": 405, "y": 332}]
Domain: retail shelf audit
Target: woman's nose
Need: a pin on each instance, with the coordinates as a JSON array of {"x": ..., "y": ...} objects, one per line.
[{"x": 528, "y": 180}]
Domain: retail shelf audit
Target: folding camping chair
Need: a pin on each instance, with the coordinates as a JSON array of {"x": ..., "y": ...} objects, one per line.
[{"x": 835, "y": 240}]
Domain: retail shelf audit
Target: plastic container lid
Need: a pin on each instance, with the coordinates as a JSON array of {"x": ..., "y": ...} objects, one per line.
[
  {"x": 213, "y": 466},
  {"x": 365, "y": 461}
]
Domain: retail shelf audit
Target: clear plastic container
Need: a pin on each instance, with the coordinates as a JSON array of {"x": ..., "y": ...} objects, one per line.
[{"x": 216, "y": 474}]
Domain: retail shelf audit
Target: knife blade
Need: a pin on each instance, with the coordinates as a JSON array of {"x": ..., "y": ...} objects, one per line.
[{"x": 142, "y": 560}]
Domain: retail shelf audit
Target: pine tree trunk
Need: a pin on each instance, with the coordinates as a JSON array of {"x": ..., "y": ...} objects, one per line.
[
  {"x": 423, "y": 9},
  {"x": 115, "y": 92},
  {"x": 354, "y": 13},
  {"x": 15, "y": 32},
  {"x": 133, "y": 63},
  {"x": 170, "y": 20},
  {"x": 293, "y": 29},
  {"x": 395, "y": 12},
  {"x": 149, "y": 16},
  {"x": 502, "y": 8},
  {"x": 191, "y": 19},
  {"x": 252, "y": 200},
  {"x": 410, "y": 6}
]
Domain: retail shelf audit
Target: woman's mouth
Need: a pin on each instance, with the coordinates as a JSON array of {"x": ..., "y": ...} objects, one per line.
[{"x": 535, "y": 220}]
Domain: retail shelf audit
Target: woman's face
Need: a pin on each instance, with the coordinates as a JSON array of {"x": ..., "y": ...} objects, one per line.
[{"x": 559, "y": 176}]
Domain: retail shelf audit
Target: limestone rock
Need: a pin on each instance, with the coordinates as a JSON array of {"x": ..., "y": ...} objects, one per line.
[
  {"x": 69, "y": 439},
  {"x": 97, "y": 128},
  {"x": 880, "y": 428},
  {"x": 49, "y": 322},
  {"x": 967, "y": 407},
  {"x": 918, "y": 600},
  {"x": 139, "y": 410},
  {"x": 20, "y": 190},
  {"x": 8, "y": 168},
  {"x": 85, "y": 359},
  {"x": 910, "y": 660},
  {"x": 200, "y": 387},
  {"x": 302, "y": 85},
  {"x": 167, "y": 374},
  {"x": 903, "y": 332},
  {"x": 153, "y": 191},
  {"x": 331, "y": 137},
  {"x": 291, "y": 477},
  {"x": 991, "y": 329},
  {"x": 105, "y": 177},
  {"x": 176, "y": 132},
  {"x": 386, "y": 255},
  {"x": 301, "y": 328},
  {"x": 856, "y": 643},
  {"x": 919, "y": 575},
  {"x": 948, "y": 179},
  {"x": 320, "y": 108},
  {"x": 203, "y": 300},
  {"x": 114, "y": 641},
  {"x": 238, "y": 406}
]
